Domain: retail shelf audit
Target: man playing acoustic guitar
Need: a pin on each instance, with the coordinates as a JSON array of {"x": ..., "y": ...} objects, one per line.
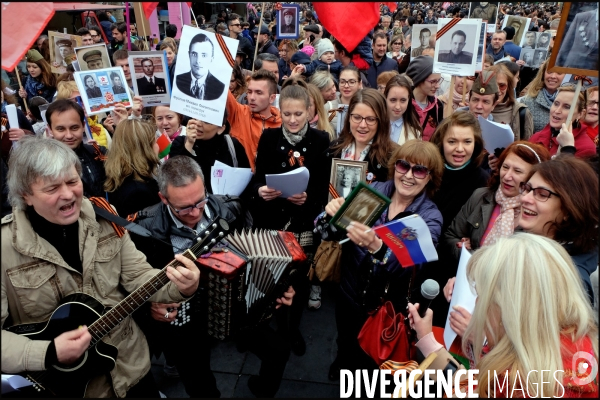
[{"x": 54, "y": 245}]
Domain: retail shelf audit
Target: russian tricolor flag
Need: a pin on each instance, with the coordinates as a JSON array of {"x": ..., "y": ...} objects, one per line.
[{"x": 409, "y": 239}]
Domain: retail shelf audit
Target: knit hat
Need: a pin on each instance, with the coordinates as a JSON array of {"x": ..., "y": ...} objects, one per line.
[
  {"x": 419, "y": 69},
  {"x": 485, "y": 83},
  {"x": 324, "y": 46},
  {"x": 308, "y": 50},
  {"x": 34, "y": 55}
]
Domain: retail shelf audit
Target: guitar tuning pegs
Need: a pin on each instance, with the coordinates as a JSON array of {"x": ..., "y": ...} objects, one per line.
[
  {"x": 198, "y": 240},
  {"x": 205, "y": 248},
  {"x": 206, "y": 233},
  {"x": 214, "y": 225},
  {"x": 213, "y": 241},
  {"x": 221, "y": 234}
]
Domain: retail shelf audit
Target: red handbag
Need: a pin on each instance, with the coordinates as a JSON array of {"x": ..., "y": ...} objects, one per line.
[{"x": 384, "y": 336}]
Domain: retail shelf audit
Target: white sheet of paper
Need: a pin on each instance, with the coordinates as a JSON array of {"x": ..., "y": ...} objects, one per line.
[
  {"x": 495, "y": 135},
  {"x": 289, "y": 183},
  {"x": 461, "y": 295},
  {"x": 229, "y": 180},
  {"x": 11, "y": 113}
]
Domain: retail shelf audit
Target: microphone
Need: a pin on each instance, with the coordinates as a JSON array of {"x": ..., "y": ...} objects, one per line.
[{"x": 429, "y": 290}]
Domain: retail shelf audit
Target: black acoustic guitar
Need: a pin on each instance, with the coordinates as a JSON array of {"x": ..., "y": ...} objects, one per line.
[{"x": 79, "y": 309}]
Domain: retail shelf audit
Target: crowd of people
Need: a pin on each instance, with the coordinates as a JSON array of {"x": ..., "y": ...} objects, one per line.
[{"x": 529, "y": 211}]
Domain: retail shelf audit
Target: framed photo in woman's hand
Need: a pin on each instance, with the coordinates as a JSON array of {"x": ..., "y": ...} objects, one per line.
[
  {"x": 364, "y": 205},
  {"x": 345, "y": 175}
]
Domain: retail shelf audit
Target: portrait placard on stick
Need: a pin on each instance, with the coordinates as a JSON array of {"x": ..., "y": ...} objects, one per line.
[
  {"x": 520, "y": 24},
  {"x": 102, "y": 89},
  {"x": 481, "y": 48},
  {"x": 288, "y": 22},
  {"x": 485, "y": 11},
  {"x": 456, "y": 46},
  {"x": 575, "y": 48},
  {"x": 93, "y": 57},
  {"x": 62, "y": 48},
  {"x": 425, "y": 34},
  {"x": 150, "y": 76},
  {"x": 202, "y": 73}
]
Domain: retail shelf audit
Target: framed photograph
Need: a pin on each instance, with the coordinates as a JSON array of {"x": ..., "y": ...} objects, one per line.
[
  {"x": 93, "y": 57},
  {"x": 102, "y": 89},
  {"x": 527, "y": 56},
  {"x": 425, "y": 34},
  {"x": 539, "y": 56},
  {"x": 202, "y": 74},
  {"x": 481, "y": 48},
  {"x": 530, "y": 40},
  {"x": 345, "y": 175},
  {"x": 62, "y": 47},
  {"x": 150, "y": 76},
  {"x": 364, "y": 205},
  {"x": 485, "y": 11},
  {"x": 288, "y": 22},
  {"x": 456, "y": 50},
  {"x": 521, "y": 25},
  {"x": 575, "y": 48}
]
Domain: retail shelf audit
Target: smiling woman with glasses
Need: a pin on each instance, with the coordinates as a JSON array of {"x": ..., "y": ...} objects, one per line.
[
  {"x": 395, "y": 47},
  {"x": 369, "y": 268},
  {"x": 559, "y": 200}
]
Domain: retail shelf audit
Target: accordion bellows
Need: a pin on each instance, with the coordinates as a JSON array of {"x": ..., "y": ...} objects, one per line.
[{"x": 248, "y": 297}]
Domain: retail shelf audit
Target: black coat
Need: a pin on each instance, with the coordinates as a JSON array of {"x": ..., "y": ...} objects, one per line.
[
  {"x": 209, "y": 151},
  {"x": 213, "y": 88},
  {"x": 92, "y": 170},
  {"x": 273, "y": 158},
  {"x": 134, "y": 196}
]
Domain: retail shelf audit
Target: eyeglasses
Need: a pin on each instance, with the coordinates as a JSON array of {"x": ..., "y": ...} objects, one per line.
[
  {"x": 539, "y": 193},
  {"x": 357, "y": 119},
  {"x": 235, "y": 25},
  {"x": 502, "y": 86},
  {"x": 350, "y": 83},
  {"x": 436, "y": 81},
  {"x": 418, "y": 171},
  {"x": 187, "y": 210}
]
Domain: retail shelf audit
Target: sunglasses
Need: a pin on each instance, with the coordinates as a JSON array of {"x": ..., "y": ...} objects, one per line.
[
  {"x": 502, "y": 86},
  {"x": 539, "y": 193},
  {"x": 418, "y": 171}
]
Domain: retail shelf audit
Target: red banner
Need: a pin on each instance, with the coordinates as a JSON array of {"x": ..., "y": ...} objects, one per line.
[{"x": 148, "y": 7}]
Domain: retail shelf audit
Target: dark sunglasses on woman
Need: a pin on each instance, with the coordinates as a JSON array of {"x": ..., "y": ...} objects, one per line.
[{"x": 418, "y": 171}]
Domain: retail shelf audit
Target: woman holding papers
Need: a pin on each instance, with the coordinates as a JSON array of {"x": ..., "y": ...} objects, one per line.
[
  {"x": 559, "y": 111},
  {"x": 490, "y": 213},
  {"x": 369, "y": 268},
  {"x": 508, "y": 110},
  {"x": 207, "y": 143},
  {"x": 131, "y": 166},
  {"x": 292, "y": 146},
  {"x": 560, "y": 201},
  {"x": 531, "y": 314}
]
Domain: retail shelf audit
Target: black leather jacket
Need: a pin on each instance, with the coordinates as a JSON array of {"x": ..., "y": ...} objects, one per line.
[{"x": 92, "y": 170}]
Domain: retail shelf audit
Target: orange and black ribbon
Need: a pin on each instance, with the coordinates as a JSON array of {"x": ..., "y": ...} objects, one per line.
[
  {"x": 225, "y": 50},
  {"x": 582, "y": 78},
  {"x": 293, "y": 159},
  {"x": 104, "y": 204},
  {"x": 333, "y": 192},
  {"x": 447, "y": 27},
  {"x": 99, "y": 155}
]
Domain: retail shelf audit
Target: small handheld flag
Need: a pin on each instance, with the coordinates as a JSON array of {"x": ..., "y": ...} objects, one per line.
[
  {"x": 409, "y": 239},
  {"x": 164, "y": 144}
]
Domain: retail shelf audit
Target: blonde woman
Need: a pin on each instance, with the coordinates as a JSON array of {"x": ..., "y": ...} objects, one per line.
[
  {"x": 131, "y": 167},
  {"x": 317, "y": 116},
  {"x": 532, "y": 314}
]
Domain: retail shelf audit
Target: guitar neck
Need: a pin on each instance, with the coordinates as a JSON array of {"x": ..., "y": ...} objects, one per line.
[{"x": 103, "y": 325}]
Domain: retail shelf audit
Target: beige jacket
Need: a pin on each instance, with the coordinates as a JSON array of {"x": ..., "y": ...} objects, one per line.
[{"x": 35, "y": 277}]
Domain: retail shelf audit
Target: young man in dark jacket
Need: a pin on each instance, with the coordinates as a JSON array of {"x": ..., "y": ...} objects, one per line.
[{"x": 381, "y": 63}]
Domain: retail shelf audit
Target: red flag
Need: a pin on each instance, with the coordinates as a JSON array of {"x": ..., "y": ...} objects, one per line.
[
  {"x": 18, "y": 37},
  {"x": 189, "y": 3},
  {"x": 445, "y": 5},
  {"x": 148, "y": 7},
  {"x": 335, "y": 16},
  {"x": 391, "y": 5}
]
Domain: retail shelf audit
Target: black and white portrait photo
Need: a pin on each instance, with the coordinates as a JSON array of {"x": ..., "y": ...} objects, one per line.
[
  {"x": 361, "y": 209},
  {"x": 456, "y": 50},
  {"x": 62, "y": 49},
  {"x": 117, "y": 84},
  {"x": 345, "y": 175},
  {"x": 520, "y": 25},
  {"x": 287, "y": 22},
  {"x": 527, "y": 57},
  {"x": 150, "y": 76},
  {"x": 150, "y": 82},
  {"x": 423, "y": 37},
  {"x": 539, "y": 56},
  {"x": 202, "y": 73},
  {"x": 91, "y": 87},
  {"x": 543, "y": 40},
  {"x": 101, "y": 90},
  {"x": 577, "y": 40},
  {"x": 529, "y": 41},
  {"x": 486, "y": 11},
  {"x": 198, "y": 82},
  {"x": 93, "y": 57}
]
